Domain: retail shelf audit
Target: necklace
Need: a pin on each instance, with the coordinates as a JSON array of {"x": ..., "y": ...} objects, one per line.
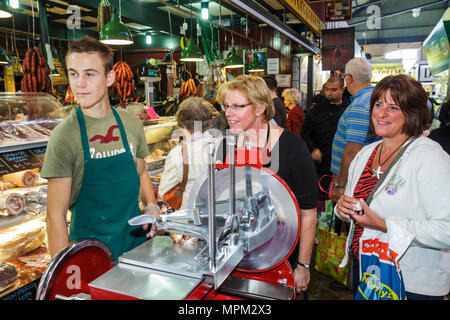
[{"x": 378, "y": 172}]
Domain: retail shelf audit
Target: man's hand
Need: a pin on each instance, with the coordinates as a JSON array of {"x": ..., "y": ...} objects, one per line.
[
  {"x": 336, "y": 194},
  {"x": 302, "y": 278},
  {"x": 316, "y": 155}
]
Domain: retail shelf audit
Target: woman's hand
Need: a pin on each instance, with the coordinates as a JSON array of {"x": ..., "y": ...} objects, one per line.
[
  {"x": 346, "y": 206},
  {"x": 369, "y": 218}
]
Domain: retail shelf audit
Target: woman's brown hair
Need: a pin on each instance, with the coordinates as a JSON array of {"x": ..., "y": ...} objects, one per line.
[
  {"x": 194, "y": 109},
  {"x": 412, "y": 99}
]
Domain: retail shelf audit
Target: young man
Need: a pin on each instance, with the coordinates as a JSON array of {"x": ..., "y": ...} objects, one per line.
[{"x": 94, "y": 161}]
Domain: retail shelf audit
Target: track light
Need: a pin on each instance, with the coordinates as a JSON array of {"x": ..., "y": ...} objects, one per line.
[
  {"x": 205, "y": 11},
  {"x": 148, "y": 38}
]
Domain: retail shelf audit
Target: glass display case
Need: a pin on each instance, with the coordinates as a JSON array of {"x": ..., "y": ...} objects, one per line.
[
  {"x": 26, "y": 122},
  {"x": 28, "y": 117}
]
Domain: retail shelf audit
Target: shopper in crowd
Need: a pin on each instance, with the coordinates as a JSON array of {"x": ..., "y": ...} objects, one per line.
[
  {"x": 321, "y": 122},
  {"x": 94, "y": 161},
  {"x": 194, "y": 116},
  {"x": 442, "y": 134},
  {"x": 346, "y": 94},
  {"x": 412, "y": 201},
  {"x": 248, "y": 108},
  {"x": 353, "y": 130},
  {"x": 280, "y": 108},
  {"x": 296, "y": 115}
]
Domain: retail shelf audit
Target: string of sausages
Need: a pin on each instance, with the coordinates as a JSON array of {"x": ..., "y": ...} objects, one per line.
[
  {"x": 188, "y": 88},
  {"x": 124, "y": 83},
  {"x": 35, "y": 72}
]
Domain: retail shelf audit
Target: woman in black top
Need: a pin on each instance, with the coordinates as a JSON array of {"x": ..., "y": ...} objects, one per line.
[{"x": 248, "y": 108}]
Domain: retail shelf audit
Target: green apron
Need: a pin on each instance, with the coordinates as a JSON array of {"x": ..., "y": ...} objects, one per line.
[{"x": 109, "y": 196}]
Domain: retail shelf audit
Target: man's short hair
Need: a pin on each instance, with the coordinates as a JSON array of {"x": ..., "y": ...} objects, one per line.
[
  {"x": 271, "y": 82},
  {"x": 90, "y": 45},
  {"x": 337, "y": 78},
  {"x": 360, "y": 69}
]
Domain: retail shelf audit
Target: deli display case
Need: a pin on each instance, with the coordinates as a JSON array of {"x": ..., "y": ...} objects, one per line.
[{"x": 26, "y": 122}]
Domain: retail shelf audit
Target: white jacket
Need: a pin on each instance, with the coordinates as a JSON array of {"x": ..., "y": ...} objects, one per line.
[
  {"x": 419, "y": 210},
  {"x": 173, "y": 167}
]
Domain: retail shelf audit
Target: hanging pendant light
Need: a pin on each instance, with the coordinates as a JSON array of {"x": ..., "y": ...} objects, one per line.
[
  {"x": 5, "y": 11},
  {"x": 115, "y": 32},
  {"x": 234, "y": 60},
  {"x": 255, "y": 65},
  {"x": 191, "y": 52}
]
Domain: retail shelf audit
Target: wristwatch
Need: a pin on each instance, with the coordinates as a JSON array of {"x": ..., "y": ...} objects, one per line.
[
  {"x": 335, "y": 185},
  {"x": 304, "y": 265}
]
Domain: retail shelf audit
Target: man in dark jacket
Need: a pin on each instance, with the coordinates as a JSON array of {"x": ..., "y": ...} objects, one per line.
[
  {"x": 280, "y": 108},
  {"x": 321, "y": 122}
]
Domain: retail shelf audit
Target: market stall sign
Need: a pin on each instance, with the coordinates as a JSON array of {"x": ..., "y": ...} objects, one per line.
[
  {"x": 436, "y": 45},
  {"x": 339, "y": 10},
  {"x": 20, "y": 160},
  {"x": 382, "y": 70},
  {"x": 303, "y": 11}
]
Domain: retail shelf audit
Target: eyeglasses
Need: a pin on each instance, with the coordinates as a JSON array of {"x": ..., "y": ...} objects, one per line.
[
  {"x": 345, "y": 75},
  {"x": 235, "y": 107}
]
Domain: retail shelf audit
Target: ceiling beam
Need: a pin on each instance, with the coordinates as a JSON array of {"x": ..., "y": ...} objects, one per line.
[
  {"x": 139, "y": 13},
  {"x": 275, "y": 23}
]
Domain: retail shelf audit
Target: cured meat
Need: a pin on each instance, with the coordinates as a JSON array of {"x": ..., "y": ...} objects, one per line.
[
  {"x": 8, "y": 275},
  {"x": 22, "y": 239},
  {"x": 13, "y": 202},
  {"x": 6, "y": 185},
  {"x": 26, "y": 178}
]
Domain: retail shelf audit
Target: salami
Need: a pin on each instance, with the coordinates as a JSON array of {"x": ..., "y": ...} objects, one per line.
[
  {"x": 26, "y": 178},
  {"x": 8, "y": 275},
  {"x": 13, "y": 202}
]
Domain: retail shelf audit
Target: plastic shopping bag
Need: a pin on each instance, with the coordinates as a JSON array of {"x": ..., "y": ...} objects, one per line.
[{"x": 380, "y": 274}]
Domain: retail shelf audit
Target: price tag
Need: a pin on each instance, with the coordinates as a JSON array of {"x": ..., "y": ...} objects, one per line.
[
  {"x": 151, "y": 113},
  {"x": 39, "y": 153},
  {"x": 19, "y": 160}
]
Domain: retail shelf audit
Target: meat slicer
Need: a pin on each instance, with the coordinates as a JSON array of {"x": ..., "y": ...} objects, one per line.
[{"x": 245, "y": 220}]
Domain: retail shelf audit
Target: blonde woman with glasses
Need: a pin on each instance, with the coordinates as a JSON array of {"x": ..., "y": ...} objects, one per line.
[{"x": 248, "y": 109}]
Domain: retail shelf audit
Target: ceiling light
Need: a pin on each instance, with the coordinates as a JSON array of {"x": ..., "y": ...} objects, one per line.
[
  {"x": 255, "y": 66},
  {"x": 148, "y": 38},
  {"x": 14, "y": 4},
  {"x": 205, "y": 11},
  {"x": 115, "y": 32},
  {"x": 234, "y": 60},
  {"x": 191, "y": 52},
  {"x": 416, "y": 12},
  {"x": 5, "y": 12}
]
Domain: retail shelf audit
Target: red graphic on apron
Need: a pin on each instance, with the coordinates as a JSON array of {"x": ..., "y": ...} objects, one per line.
[{"x": 106, "y": 138}]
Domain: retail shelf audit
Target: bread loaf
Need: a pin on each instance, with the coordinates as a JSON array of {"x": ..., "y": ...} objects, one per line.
[{"x": 21, "y": 239}]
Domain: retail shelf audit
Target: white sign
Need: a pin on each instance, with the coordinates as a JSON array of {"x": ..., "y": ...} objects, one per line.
[
  {"x": 424, "y": 73},
  {"x": 273, "y": 66}
]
